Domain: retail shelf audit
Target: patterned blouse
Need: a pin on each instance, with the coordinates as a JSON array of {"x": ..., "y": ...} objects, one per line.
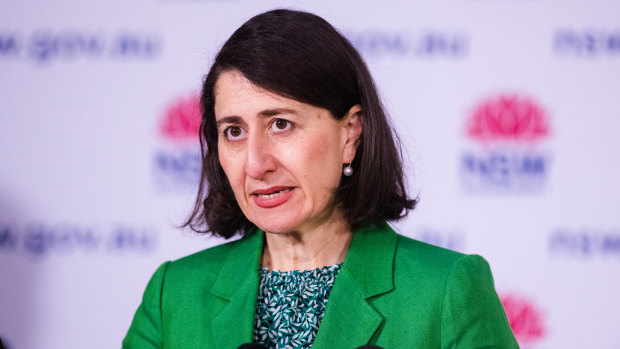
[{"x": 291, "y": 305}]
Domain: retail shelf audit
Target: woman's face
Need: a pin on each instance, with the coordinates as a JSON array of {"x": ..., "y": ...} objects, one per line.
[{"x": 283, "y": 158}]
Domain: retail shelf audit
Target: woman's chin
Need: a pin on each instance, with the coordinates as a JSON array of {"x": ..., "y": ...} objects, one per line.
[
  {"x": 277, "y": 223},
  {"x": 276, "y": 228},
  {"x": 277, "y": 220}
]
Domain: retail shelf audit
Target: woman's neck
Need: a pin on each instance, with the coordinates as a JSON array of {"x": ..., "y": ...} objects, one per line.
[{"x": 321, "y": 246}]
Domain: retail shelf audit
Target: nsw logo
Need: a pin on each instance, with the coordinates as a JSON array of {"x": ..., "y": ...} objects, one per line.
[
  {"x": 507, "y": 133},
  {"x": 525, "y": 319},
  {"x": 177, "y": 160}
]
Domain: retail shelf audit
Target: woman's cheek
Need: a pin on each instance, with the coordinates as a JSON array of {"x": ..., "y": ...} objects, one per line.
[
  {"x": 232, "y": 166},
  {"x": 323, "y": 157}
]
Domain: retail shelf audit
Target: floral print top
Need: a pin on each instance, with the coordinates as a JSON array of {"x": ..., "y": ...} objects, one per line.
[{"x": 291, "y": 305}]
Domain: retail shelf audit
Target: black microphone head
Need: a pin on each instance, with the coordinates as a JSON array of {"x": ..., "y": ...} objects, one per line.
[
  {"x": 252, "y": 346},
  {"x": 369, "y": 346}
]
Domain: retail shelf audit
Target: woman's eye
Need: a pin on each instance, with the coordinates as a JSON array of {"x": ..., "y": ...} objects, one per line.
[
  {"x": 234, "y": 133},
  {"x": 281, "y": 125}
]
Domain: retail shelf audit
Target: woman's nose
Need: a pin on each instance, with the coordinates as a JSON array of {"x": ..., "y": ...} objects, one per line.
[{"x": 259, "y": 159}]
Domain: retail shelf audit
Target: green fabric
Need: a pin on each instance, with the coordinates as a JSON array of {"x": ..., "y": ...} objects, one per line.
[
  {"x": 391, "y": 291},
  {"x": 291, "y": 305}
]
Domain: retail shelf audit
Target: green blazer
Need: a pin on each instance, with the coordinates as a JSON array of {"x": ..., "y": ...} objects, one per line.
[{"x": 391, "y": 291}]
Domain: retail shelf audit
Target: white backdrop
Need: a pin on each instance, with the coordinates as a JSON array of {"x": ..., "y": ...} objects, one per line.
[{"x": 509, "y": 112}]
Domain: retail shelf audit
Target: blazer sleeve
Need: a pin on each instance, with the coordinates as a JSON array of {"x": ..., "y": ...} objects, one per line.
[
  {"x": 472, "y": 314},
  {"x": 145, "y": 331}
]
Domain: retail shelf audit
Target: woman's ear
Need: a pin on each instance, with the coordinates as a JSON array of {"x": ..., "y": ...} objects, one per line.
[{"x": 353, "y": 124}]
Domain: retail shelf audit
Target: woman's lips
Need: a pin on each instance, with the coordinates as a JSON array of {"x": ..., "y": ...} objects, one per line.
[{"x": 272, "y": 197}]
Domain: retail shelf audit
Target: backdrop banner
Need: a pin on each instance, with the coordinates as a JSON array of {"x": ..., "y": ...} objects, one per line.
[{"x": 508, "y": 113}]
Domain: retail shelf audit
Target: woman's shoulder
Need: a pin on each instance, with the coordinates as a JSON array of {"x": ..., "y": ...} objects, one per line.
[
  {"x": 436, "y": 259},
  {"x": 421, "y": 257},
  {"x": 378, "y": 244},
  {"x": 212, "y": 254},
  {"x": 384, "y": 236},
  {"x": 212, "y": 259},
  {"x": 418, "y": 251}
]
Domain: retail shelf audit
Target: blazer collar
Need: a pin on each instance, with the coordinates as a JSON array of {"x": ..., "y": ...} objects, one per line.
[
  {"x": 370, "y": 259},
  {"x": 349, "y": 319},
  {"x": 236, "y": 290}
]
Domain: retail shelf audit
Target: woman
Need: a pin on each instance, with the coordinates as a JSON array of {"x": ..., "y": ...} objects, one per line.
[{"x": 300, "y": 160}]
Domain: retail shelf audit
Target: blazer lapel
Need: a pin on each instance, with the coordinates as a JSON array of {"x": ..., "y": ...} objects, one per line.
[
  {"x": 236, "y": 288},
  {"x": 350, "y": 320}
]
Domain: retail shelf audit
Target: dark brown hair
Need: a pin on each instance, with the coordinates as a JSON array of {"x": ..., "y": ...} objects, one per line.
[{"x": 300, "y": 56}]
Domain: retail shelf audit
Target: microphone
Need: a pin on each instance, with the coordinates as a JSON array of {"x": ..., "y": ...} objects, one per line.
[{"x": 369, "y": 346}]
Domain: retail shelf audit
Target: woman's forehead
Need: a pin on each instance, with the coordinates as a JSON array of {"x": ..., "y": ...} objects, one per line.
[{"x": 235, "y": 94}]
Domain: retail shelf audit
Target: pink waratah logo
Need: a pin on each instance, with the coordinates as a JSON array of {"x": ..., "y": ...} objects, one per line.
[
  {"x": 508, "y": 117},
  {"x": 524, "y": 318},
  {"x": 182, "y": 119}
]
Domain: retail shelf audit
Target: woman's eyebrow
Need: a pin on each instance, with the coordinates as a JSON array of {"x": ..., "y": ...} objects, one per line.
[
  {"x": 233, "y": 119},
  {"x": 277, "y": 111},
  {"x": 229, "y": 120}
]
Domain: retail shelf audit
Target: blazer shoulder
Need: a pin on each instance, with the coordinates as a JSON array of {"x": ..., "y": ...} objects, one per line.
[
  {"x": 434, "y": 262},
  {"x": 211, "y": 258},
  {"x": 416, "y": 251},
  {"x": 212, "y": 254},
  {"x": 437, "y": 265}
]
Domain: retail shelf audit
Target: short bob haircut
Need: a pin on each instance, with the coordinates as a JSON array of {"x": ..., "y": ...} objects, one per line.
[{"x": 300, "y": 56}]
